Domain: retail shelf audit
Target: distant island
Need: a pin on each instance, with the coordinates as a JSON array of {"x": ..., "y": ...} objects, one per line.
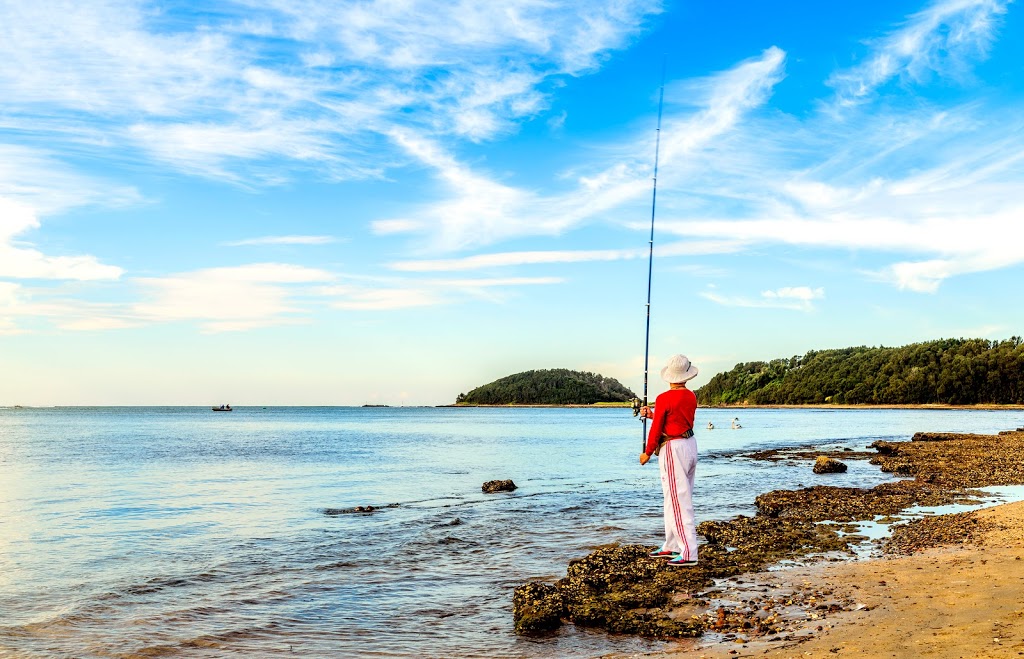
[
  {"x": 557, "y": 386},
  {"x": 942, "y": 372}
]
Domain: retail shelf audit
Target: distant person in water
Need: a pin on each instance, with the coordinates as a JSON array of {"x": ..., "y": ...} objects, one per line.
[
  {"x": 671, "y": 439},
  {"x": 711, "y": 426},
  {"x": 736, "y": 424}
]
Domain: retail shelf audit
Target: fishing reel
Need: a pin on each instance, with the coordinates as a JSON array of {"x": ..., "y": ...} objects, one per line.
[{"x": 636, "y": 404}]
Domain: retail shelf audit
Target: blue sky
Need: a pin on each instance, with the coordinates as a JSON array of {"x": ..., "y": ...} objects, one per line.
[{"x": 315, "y": 202}]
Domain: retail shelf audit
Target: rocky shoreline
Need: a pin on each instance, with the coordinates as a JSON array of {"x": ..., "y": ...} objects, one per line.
[{"x": 620, "y": 590}]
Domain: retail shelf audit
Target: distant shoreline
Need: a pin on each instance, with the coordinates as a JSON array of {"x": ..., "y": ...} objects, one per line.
[
  {"x": 569, "y": 406},
  {"x": 894, "y": 406},
  {"x": 926, "y": 406}
]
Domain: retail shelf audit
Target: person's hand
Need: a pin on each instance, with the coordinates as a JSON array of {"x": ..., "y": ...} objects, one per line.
[
  {"x": 645, "y": 411},
  {"x": 644, "y": 458}
]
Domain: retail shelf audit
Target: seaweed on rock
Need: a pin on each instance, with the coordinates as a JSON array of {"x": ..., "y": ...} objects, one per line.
[{"x": 622, "y": 590}]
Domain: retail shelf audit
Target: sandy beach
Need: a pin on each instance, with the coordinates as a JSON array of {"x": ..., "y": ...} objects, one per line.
[{"x": 943, "y": 602}]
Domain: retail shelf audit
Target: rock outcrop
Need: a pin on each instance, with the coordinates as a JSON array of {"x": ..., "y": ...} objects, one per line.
[
  {"x": 621, "y": 590},
  {"x": 491, "y": 487},
  {"x": 827, "y": 465}
]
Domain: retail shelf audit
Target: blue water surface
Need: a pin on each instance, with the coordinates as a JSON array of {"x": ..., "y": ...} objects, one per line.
[{"x": 192, "y": 533}]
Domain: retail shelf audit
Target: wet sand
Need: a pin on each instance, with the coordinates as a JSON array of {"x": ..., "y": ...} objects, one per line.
[{"x": 949, "y": 601}]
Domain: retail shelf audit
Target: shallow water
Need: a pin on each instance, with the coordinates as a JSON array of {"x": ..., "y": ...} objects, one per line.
[{"x": 179, "y": 530}]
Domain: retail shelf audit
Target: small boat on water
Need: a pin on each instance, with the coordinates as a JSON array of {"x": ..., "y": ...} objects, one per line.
[{"x": 222, "y": 408}]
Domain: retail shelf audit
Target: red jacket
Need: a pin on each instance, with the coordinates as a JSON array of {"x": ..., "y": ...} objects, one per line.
[{"x": 673, "y": 415}]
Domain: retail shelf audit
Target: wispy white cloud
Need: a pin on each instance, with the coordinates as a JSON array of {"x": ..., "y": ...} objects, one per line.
[
  {"x": 282, "y": 240},
  {"x": 479, "y": 210},
  {"x": 21, "y": 307},
  {"x": 393, "y": 294},
  {"x": 797, "y": 298},
  {"x": 508, "y": 259},
  {"x": 247, "y": 297},
  {"x": 929, "y": 185},
  {"x": 230, "y": 298},
  {"x": 938, "y": 226},
  {"x": 22, "y": 262},
  {"x": 505, "y": 259},
  {"x": 307, "y": 85},
  {"x": 39, "y": 180},
  {"x": 946, "y": 38}
]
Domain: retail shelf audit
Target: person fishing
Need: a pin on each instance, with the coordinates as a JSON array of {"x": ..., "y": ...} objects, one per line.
[{"x": 671, "y": 439}]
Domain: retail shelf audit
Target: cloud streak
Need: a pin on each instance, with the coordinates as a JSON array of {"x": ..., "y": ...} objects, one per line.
[
  {"x": 479, "y": 210},
  {"x": 308, "y": 85},
  {"x": 511, "y": 259},
  {"x": 282, "y": 240},
  {"x": 944, "y": 39},
  {"x": 796, "y": 298},
  {"x": 22, "y": 262}
]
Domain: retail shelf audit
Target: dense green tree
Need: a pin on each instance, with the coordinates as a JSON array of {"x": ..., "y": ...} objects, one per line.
[
  {"x": 548, "y": 387},
  {"x": 946, "y": 371}
]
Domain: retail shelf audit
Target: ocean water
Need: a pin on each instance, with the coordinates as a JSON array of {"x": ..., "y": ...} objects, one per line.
[{"x": 183, "y": 532}]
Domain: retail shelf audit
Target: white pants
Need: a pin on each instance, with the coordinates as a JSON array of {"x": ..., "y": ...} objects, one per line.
[{"x": 677, "y": 462}]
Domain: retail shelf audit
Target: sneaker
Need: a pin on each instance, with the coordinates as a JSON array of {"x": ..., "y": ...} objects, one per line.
[
  {"x": 664, "y": 553},
  {"x": 679, "y": 561}
]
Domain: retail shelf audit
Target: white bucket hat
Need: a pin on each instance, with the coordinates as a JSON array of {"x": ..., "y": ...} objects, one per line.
[{"x": 679, "y": 369}]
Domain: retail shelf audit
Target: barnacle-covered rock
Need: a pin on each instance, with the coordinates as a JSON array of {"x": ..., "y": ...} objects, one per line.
[
  {"x": 958, "y": 460},
  {"x": 537, "y": 607},
  {"x": 885, "y": 448},
  {"x": 927, "y": 532},
  {"x": 827, "y": 465},
  {"x": 498, "y": 486},
  {"x": 847, "y": 504},
  {"x": 622, "y": 590},
  {"x": 945, "y": 437}
]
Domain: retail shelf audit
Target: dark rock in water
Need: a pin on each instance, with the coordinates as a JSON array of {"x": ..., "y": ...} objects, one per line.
[
  {"x": 358, "y": 510},
  {"x": 884, "y": 448},
  {"x": 826, "y": 465},
  {"x": 498, "y": 486},
  {"x": 536, "y": 608}
]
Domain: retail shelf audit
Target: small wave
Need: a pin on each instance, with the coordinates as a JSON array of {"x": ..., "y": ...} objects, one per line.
[{"x": 337, "y": 565}]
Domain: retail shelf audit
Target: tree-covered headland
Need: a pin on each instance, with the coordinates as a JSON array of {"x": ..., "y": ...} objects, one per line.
[
  {"x": 944, "y": 372},
  {"x": 557, "y": 386}
]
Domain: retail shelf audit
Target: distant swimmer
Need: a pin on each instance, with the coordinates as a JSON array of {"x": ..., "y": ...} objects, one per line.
[
  {"x": 736, "y": 424},
  {"x": 711, "y": 426}
]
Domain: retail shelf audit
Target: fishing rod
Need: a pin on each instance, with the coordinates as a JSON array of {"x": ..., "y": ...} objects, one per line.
[{"x": 650, "y": 260}]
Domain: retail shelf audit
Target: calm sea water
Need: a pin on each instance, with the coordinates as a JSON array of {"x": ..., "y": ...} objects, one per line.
[{"x": 185, "y": 532}]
